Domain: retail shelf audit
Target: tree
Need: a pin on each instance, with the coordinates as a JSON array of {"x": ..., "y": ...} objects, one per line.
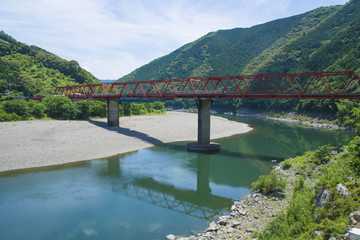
[
  {"x": 3, "y": 85},
  {"x": 37, "y": 109},
  {"x": 59, "y": 107},
  {"x": 26, "y": 84},
  {"x": 19, "y": 107}
]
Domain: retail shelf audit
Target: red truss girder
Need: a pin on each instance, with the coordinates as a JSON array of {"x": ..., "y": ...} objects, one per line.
[{"x": 338, "y": 85}]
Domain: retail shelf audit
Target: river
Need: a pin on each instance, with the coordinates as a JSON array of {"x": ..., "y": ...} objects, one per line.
[{"x": 149, "y": 193}]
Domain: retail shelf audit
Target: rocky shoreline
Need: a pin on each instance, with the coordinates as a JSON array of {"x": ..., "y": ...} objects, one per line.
[
  {"x": 254, "y": 212},
  {"x": 249, "y": 215},
  {"x": 290, "y": 118}
]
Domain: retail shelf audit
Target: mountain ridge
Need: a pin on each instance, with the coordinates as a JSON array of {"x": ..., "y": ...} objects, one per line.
[
  {"x": 324, "y": 39},
  {"x": 229, "y": 52}
]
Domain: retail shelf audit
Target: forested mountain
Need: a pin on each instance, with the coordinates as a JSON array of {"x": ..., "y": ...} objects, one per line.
[
  {"x": 30, "y": 70},
  {"x": 325, "y": 39}
]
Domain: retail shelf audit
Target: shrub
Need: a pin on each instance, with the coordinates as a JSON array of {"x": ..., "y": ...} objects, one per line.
[
  {"x": 59, "y": 107},
  {"x": 354, "y": 149},
  {"x": 286, "y": 164},
  {"x": 37, "y": 109},
  {"x": 294, "y": 221},
  {"x": 8, "y": 117},
  {"x": 269, "y": 183},
  {"x": 322, "y": 155},
  {"x": 19, "y": 107}
]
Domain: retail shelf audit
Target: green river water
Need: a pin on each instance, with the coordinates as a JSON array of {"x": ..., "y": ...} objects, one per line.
[{"x": 149, "y": 193}]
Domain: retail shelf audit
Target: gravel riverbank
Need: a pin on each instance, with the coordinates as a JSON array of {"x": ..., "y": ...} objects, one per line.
[{"x": 38, "y": 143}]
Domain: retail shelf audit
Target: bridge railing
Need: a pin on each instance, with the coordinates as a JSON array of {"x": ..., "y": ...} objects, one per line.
[{"x": 343, "y": 84}]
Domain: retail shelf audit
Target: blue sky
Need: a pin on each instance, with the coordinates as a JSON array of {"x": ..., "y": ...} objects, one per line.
[{"x": 111, "y": 38}]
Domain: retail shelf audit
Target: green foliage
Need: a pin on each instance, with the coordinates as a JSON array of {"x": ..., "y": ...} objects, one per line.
[
  {"x": 58, "y": 107},
  {"x": 34, "y": 71},
  {"x": 18, "y": 107},
  {"x": 269, "y": 183},
  {"x": 37, "y": 109},
  {"x": 294, "y": 221},
  {"x": 301, "y": 218},
  {"x": 8, "y": 117},
  {"x": 130, "y": 109},
  {"x": 354, "y": 149},
  {"x": 299, "y": 185},
  {"x": 286, "y": 164},
  {"x": 322, "y": 155}
]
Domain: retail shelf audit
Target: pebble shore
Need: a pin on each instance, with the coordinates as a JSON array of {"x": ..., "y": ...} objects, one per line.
[{"x": 39, "y": 143}]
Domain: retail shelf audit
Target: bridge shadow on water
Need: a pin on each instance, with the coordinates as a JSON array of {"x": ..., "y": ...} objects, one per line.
[
  {"x": 227, "y": 153},
  {"x": 128, "y": 132},
  {"x": 146, "y": 138}
]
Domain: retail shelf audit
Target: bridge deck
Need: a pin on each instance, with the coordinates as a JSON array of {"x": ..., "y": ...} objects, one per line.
[{"x": 324, "y": 85}]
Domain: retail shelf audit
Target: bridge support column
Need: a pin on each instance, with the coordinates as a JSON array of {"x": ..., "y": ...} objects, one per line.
[
  {"x": 112, "y": 113},
  {"x": 203, "y": 144}
]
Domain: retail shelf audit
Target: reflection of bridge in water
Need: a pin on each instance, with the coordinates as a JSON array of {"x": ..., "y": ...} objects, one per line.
[{"x": 198, "y": 203}]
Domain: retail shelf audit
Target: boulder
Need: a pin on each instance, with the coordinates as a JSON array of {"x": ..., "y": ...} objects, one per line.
[
  {"x": 170, "y": 237},
  {"x": 235, "y": 224},
  {"x": 243, "y": 212},
  {"x": 213, "y": 227},
  {"x": 316, "y": 233},
  {"x": 355, "y": 216},
  {"x": 342, "y": 189},
  {"x": 322, "y": 197}
]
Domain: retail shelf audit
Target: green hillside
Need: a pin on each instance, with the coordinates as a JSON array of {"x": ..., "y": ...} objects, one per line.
[
  {"x": 233, "y": 52},
  {"x": 325, "y": 39},
  {"x": 30, "y": 70}
]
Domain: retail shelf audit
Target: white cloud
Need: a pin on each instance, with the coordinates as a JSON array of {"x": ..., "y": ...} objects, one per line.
[{"x": 113, "y": 37}]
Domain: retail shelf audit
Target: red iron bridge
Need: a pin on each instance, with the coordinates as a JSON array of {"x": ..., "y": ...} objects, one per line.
[
  {"x": 317, "y": 85},
  {"x": 324, "y": 85}
]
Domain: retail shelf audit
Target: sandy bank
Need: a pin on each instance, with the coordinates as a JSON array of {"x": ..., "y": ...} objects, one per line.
[{"x": 42, "y": 143}]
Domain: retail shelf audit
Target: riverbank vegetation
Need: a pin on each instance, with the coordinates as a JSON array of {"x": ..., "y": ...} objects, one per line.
[
  {"x": 325, "y": 191},
  {"x": 57, "y": 107}
]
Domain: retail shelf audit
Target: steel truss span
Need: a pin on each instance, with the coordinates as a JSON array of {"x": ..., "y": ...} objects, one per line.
[{"x": 321, "y": 85}]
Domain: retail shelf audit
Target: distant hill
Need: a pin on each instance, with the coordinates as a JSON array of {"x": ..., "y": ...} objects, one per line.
[
  {"x": 325, "y": 39},
  {"x": 35, "y": 71},
  {"x": 107, "y": 81}
]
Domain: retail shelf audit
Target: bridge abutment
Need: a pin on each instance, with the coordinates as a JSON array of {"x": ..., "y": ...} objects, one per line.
[
  {"x": 112, "y": 113},
  {"x": 203, "y": 144}
]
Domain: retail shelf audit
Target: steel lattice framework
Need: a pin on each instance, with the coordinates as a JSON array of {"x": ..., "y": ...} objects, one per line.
[
  {"x": 324, "y": 85},
  {"x": 169, "y": 201}
]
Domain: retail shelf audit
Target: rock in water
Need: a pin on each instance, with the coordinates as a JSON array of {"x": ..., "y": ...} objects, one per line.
[{"x": 170, "y": 237}]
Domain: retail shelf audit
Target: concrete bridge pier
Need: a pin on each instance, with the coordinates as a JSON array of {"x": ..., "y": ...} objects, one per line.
[
  {"x": 112, "y": 113},
  {"x": 203, "y": 144}
]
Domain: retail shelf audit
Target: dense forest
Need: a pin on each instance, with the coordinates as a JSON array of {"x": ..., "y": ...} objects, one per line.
[
  {"x": 59, "y": 107},
  {"x": 325, "y": 39},
  {"x": 29, "y": 70}
]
